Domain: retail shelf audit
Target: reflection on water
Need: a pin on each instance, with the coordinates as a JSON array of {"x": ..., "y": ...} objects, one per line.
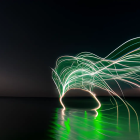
[
  {"x": 85, "y": 124},
  {"x": 44, "y": 119}
]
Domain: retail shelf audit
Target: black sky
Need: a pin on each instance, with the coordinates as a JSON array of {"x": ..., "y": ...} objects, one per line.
[{"x": 33, "y": 34}]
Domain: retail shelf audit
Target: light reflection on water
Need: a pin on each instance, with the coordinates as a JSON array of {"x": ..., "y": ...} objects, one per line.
[{"x": 84, "y": 124}]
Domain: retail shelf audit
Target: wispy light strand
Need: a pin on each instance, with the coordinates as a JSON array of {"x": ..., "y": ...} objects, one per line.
[{"x": 86, "y": 71}]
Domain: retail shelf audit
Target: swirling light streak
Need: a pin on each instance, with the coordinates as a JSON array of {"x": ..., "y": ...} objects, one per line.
[{"x": 86, "y": 71}]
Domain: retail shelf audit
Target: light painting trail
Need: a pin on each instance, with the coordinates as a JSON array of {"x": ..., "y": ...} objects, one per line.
[{"x": 86, "y": 71}]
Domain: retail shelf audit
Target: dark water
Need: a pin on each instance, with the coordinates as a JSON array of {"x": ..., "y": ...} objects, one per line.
[{"x": 44, "y": 118}]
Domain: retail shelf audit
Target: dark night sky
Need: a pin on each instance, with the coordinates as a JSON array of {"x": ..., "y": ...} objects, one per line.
[{"x": 33, "y": 34}]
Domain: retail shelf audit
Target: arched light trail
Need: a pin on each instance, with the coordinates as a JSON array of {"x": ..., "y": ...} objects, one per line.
[{"x": 86, "y": 71}]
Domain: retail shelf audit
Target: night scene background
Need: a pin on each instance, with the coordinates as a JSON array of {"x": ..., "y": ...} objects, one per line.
[{"x": 33, "y": 34}]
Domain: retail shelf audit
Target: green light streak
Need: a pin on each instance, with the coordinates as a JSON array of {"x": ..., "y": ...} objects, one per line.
[
  {"x": 81, "y": 125},
  {"x": 67, "y": 124},
  {"x": 86, "y": 71},
  {"x": 85, "y": 114}
]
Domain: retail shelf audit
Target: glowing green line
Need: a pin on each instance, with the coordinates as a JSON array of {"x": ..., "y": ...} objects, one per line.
[{"x": 86, "y": 71}]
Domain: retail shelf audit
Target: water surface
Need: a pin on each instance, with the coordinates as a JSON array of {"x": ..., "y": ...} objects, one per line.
[{"x": 44, "y": 118}]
